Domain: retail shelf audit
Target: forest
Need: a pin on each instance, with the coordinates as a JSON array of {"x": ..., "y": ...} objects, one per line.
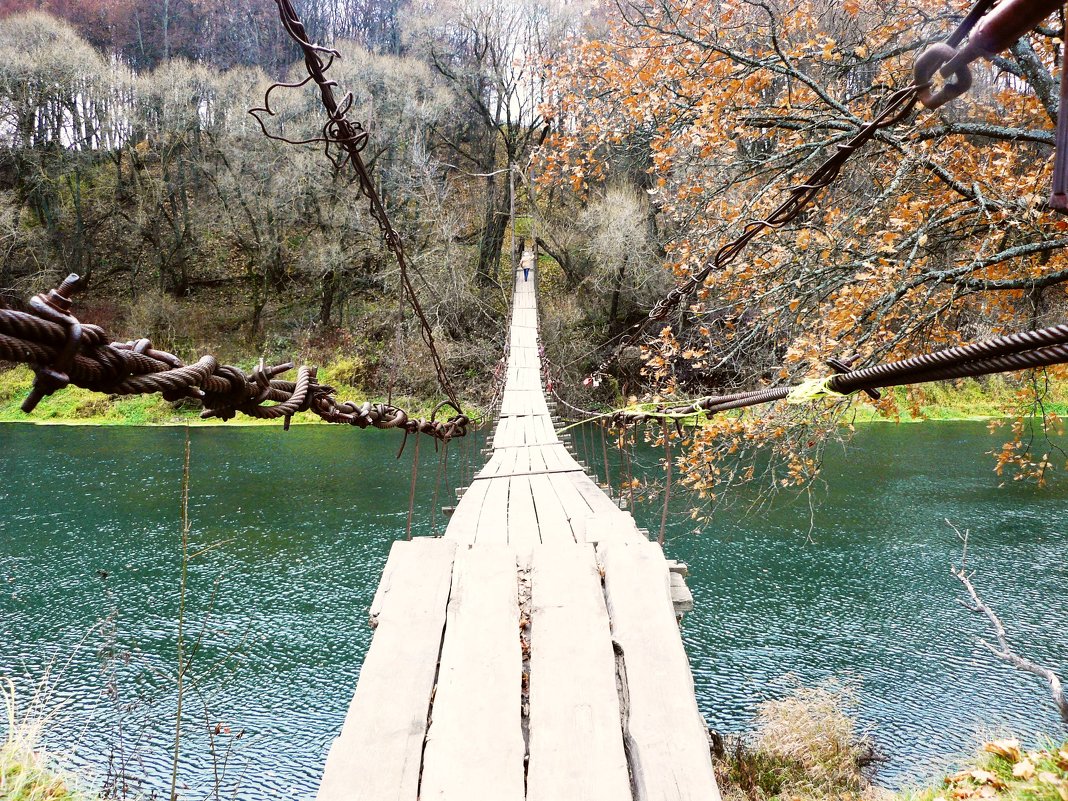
[{"x": 627, "y": 141}]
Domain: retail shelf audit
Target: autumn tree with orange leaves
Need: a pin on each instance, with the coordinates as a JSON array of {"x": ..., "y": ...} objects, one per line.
[{"x": 936, "y": 233}]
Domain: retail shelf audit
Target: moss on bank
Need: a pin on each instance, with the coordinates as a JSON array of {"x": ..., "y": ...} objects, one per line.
[
  {"x": 963, "y": 399},
  {"x": 807, "y": 747}
]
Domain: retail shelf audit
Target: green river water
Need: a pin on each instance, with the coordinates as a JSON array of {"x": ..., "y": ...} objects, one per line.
[{"x": 89, "y": 567}]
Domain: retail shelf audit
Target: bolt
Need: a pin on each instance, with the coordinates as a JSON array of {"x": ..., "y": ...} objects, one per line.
[
  {"x": 70, "y": 285},
  {"x": 60, "y": 298}
]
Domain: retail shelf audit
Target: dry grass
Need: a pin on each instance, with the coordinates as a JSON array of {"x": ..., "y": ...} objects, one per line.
[
  {"x": 27, "y": 773},
  {"x": 805, "y": 746}
]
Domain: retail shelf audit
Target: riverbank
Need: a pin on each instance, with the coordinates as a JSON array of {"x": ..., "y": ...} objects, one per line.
[
  {"x": 987, "y": 398},
  {"x": 967, "y": 399},
  {"x": 77, "y": 406}
]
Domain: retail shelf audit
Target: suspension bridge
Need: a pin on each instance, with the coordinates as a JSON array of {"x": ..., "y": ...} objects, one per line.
[{"x": 533, "y": 651}]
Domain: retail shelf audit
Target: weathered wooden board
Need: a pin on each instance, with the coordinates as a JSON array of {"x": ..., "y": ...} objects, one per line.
[
  {"x": 576, "y": 742},
  {"x": 667, "y": 740},
  {"x": 548, "y": 431},
  {"x": 463, "y": 525},
  {"x": 574, "y": 505},
  {"x": 503, "y": 436},
  {"x": 475, "y": 747},
  {"x": 613, "y": 526},
  {"x": 596, "y": 497},
  {"x": 501, "y": 461},
  {"x": 522, "y": 519},
  {"x": 553, "y": 525},
  {"x": 493, "y": 522},
  {"x": 522, "y": 402},
  {"x": 378, "y": 754},
  {"x": 537, "y": 459},
  {"x": 557, "y": 458}
]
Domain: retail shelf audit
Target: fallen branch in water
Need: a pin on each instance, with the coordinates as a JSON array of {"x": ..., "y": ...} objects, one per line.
[{"x": 1005, "y": 651}]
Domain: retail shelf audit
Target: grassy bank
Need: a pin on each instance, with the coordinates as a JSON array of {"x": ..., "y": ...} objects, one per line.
[
  {"x": 76, "y": 406},
  {"x": 29, "y": 775},
  {"x": 1005, "y": 771},
  {"x": 27, "y": 772},
  {"x": 964, "y": 399},
  {"x": 803, "y": 746},
  {"x": 807, "y": 747}
]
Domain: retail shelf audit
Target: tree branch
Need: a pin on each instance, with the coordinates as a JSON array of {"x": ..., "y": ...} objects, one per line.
[{"x": 1004, "y": 650}]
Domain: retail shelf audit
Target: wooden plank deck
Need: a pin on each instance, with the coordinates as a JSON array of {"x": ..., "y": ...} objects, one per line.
[
  {"x": 576, "y": 741},
  {"x": 531, "y": 653},
  {"x": 475, "y": 747},
  {"x": 378, "y": 754}
]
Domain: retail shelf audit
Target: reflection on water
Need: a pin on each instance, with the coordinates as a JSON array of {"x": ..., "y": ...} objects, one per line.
[{"x": 89, "y": 555}]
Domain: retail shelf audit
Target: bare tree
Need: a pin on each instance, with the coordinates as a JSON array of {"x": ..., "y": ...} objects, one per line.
[{"x": 493, "y": 55}]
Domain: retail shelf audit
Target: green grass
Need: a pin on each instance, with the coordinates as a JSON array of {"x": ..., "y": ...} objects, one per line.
[
  {"x": 965, "y": 399},
  {"x": 76, "y": 406},
  {"x": 1005, "y": 771},
  {"x": 28, "y": 775}
]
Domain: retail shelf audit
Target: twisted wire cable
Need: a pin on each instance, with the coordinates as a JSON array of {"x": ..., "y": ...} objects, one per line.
[{"x": 62, "y": 351}]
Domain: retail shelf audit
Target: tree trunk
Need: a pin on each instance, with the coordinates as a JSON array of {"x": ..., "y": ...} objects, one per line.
[
  {"x": 493, "y": 228},
  {"x": 614, "y": 312},
  {"x": 326, "y": 303}
]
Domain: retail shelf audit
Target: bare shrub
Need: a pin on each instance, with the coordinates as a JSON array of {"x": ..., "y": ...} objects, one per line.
[{"x": 805, "y": 745}]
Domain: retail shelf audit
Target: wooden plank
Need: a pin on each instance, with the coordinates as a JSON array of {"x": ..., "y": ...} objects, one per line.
[
  {"x": 537, "y": 459},
  {"x": 553, "y": 525},
  {"x": 378, "y": 754},
  {"x": 594, "y": 495},
  {"x": 556, "y": 457},
  {"x": 499, "y": 461},
  {"x": 463, "y": 525},
  {"x": 574, "y": 504},
  {"x": 521, "y": 462},
  {"x": 667, "y": 740},
  {"x": 493, "y": 522},
  {"x": 475, "y": 747},
  {"x": 503, "y": 435},
  {"x": 681, "y": 597},
  {"x": 614, "y": 525},
  {"x": 522, "y": 519},
  {"x": 576, "y": 743},
  {"x": 546, "y": 432}
]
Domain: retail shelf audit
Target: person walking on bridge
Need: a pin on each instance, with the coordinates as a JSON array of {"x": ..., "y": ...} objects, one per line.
[{"x": 527, "y": 263}]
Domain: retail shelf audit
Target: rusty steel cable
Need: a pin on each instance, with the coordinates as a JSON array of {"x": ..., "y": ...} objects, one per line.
[
  {"x": 343, "y": 141},
  {"x": 1012, "y": 352},
  {"x": 894, "y": 109},
  {"x": 61, "y": 350}
]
